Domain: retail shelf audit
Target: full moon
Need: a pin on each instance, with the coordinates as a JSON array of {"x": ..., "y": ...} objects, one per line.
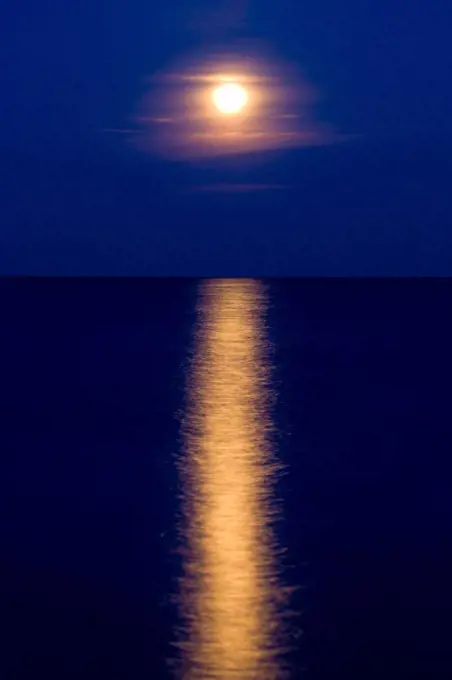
[{"x": 230, "y": 98}]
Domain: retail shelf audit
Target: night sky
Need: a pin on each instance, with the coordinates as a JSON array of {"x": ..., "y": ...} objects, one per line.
[{"x": 77, "y": 198}]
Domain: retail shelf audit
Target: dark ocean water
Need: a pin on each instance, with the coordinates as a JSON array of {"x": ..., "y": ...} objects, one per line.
[{"x": 226, "y": 479}]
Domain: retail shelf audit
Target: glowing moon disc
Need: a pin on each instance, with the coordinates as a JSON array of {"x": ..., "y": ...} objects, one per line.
[{"x": 230, "y": 98}]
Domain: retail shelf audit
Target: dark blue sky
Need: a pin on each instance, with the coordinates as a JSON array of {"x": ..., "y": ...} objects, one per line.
[{"x": 76, "y": 199}]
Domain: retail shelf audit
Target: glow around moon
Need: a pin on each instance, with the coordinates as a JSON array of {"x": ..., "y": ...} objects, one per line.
[
  {"x": 226, "y": 103},
  {"x": 230, "y": 98}
]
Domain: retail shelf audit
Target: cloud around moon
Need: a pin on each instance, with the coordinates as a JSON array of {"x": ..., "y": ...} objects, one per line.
[{"x": 177, "y": 116}]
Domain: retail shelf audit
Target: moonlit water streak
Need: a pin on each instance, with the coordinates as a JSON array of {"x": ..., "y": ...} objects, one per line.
[{"x": 230, "y": 596}]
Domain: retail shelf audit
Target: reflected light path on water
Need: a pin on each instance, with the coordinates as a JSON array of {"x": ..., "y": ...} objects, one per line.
[{"x": 230, "y": 595}]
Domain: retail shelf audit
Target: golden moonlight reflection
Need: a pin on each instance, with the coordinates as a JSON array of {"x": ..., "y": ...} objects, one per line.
[
  {"x": 231, "y": 597},
  {"x": 228, "y": 103}
]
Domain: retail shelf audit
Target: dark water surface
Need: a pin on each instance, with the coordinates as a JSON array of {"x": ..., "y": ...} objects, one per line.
[{"x": 226, "y": 479}]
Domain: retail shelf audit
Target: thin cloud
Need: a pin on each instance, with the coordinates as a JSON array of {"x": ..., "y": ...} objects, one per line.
[
  {"x": 179, "y": 119},
  {"x": 240, "y": 188},
  {"x": 124, "y": 131}
]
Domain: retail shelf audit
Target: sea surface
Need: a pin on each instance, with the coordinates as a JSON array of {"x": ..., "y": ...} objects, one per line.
[{"x": 226, "y": 478}]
